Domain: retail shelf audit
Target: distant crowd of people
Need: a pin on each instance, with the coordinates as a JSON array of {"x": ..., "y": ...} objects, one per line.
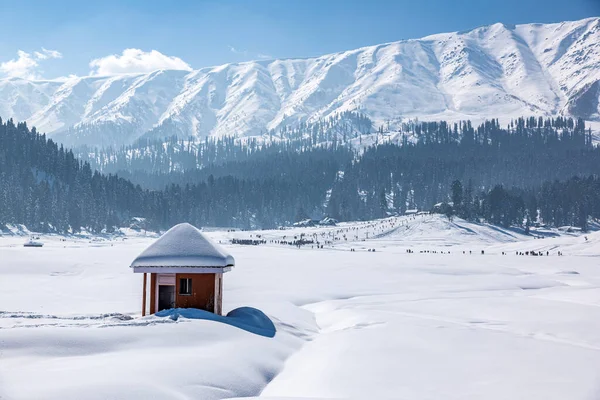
[
  {"x": 361, "y": 232},
  {"x": 518, "y": 253}
]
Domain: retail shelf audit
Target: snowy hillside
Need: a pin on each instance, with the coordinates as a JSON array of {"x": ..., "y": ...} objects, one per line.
[
  {"x": 438, "y": 323},
  {"x": 492, "y": 71}
]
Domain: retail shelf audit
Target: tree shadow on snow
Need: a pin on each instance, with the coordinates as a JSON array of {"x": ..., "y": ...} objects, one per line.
[{"x": 247, "y": 318}]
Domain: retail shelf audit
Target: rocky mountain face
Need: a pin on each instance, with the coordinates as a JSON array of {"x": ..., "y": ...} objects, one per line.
[{"x": 492, "y": 71}]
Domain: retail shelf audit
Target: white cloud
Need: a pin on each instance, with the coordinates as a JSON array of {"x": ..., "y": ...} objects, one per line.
[
  {"x": 45, "y": 54},
  {"x": 136, "y": 61},
  {"x": 26, "y": 65},
  {"x": 264, "y": 56},
  {"x": 246, "y": 53},
  {"x": 236, "y": 51}
]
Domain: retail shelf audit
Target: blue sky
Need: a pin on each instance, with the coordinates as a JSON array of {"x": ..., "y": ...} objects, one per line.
[{"x": 59, "y": 38}]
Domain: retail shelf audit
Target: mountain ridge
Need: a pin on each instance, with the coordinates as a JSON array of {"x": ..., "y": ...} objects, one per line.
[{"x": 494, "y": 70}]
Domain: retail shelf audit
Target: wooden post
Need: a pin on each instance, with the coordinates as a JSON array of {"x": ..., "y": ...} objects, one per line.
[
  {"x": 152, "y": 293},
  {"x": 144, "y": 298}
]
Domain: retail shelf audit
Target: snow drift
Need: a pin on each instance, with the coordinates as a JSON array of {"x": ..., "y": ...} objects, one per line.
[
  {"x": 246, "y": 318},
  {"x": 350, "y": 324}
]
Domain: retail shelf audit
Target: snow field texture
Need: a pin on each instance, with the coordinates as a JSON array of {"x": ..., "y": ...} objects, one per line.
[{"x": 443, "y": 321}]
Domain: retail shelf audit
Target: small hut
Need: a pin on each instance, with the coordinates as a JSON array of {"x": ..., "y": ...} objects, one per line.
[{"x": 186, "y": 271}]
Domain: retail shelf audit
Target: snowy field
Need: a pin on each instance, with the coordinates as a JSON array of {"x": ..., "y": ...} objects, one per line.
[{"x": 442, "y": 322}]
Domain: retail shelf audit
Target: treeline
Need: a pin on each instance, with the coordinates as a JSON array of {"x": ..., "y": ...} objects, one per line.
[
  {"x": 162, "y": 156},
  {"x": 418, "y": 173},
  {"x": 260, "y": 193},
  {"x": 340, "y": 128},
  {"x": 152, "y": 155},
  {"x": 43, "y": 186},
  {"x": 558, "y": 203},
  {"x": 313, "y": 168},
  {"x": 47, "y": 188}
]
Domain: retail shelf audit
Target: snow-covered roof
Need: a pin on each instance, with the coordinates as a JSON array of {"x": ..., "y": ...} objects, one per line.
[{"x": 184, "y": 246}]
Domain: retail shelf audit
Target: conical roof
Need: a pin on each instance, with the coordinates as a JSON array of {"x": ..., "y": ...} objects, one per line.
[{"x": 184, "y": 246}]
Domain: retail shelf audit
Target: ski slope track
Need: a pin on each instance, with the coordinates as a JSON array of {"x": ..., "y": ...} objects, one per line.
[
  {"x": 493, "y": 71},
  {"x": 461, "y": 316}
]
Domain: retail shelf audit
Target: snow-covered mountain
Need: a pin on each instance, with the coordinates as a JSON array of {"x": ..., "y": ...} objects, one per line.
[{"x": 492, "y": 71}]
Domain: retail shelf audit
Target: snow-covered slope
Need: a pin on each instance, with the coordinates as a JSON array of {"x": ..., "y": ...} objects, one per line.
[
  {"x": 385, "y": 324},
  {"x": 492, "y": 71}
]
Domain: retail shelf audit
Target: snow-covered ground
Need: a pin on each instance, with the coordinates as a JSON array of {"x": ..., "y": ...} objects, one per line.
[{"x": 442, "y": 322}]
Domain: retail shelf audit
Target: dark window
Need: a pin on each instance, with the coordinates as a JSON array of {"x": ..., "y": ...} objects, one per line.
[{"x": 185, "y": 286}]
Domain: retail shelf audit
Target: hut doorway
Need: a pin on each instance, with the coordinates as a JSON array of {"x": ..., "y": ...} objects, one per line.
[{"x": 166, "y": 297}]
